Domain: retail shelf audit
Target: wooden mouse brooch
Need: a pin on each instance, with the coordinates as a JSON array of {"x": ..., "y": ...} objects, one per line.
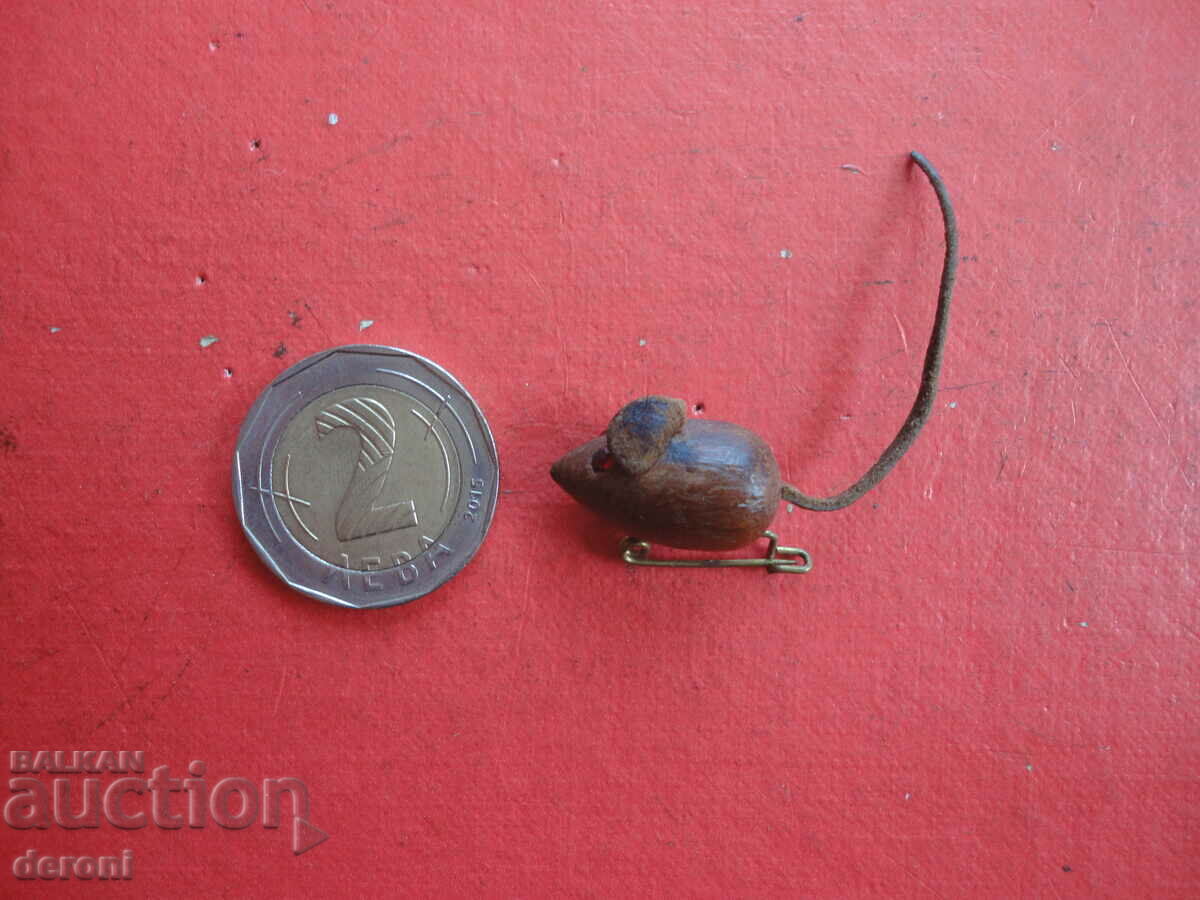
[{"x": 705, "y": 485}]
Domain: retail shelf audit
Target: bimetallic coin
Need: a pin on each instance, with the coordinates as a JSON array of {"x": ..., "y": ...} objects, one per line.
[{"x": 365, "y": 476}]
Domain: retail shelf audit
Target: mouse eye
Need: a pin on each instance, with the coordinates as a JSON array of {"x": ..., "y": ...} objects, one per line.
[{"x": 602, "y": 461}]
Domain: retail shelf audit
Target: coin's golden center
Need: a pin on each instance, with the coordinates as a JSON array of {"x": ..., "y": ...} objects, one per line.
[{"x": 366, "y": 477}]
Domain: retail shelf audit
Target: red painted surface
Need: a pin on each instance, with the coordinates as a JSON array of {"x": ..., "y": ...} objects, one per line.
[{"x": 988, "y": 684}]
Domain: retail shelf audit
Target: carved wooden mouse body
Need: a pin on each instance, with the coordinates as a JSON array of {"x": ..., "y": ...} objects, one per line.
[
  {"x": 689, "y": 483},
  {"x": 700, "y": 484}
]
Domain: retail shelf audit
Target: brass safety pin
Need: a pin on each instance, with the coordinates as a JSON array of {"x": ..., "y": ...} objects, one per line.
[{"x": 778, "y": 559}]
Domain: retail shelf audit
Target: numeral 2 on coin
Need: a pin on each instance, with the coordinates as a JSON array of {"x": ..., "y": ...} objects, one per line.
[{"x": 357, "y": 514}]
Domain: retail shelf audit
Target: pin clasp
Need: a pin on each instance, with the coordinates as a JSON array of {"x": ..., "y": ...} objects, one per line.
[{"x": 789, "y": 560}]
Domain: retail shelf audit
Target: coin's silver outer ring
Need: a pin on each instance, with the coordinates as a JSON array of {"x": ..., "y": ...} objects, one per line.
[{"x": 341, "y": 367}]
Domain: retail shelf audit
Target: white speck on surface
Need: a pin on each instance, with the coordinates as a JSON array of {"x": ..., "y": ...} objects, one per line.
[
  {"x": 1029, "y": 767},
  {"x": 953, "y": 404},
  {"x": 641, "y": 342},
  {"x": 785, "y": 253},
  {"x": 207, "y": 341},
  {"x": 790, "y": 508},
  {"x": 1083, "y": 624},
  {"x": 54, "y": 329},
  {"x": 1055, "y": 146},
  {"x": 332, "y": 118},
  {"x": 364, "y": 324},
  {"x": 908, "y": 796}
]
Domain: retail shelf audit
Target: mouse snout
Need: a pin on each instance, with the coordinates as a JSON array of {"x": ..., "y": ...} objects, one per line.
[{"x": 575, "y": 470}]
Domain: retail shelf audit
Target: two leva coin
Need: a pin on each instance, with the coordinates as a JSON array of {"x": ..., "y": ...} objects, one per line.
[{"x": 365, "y": 476}]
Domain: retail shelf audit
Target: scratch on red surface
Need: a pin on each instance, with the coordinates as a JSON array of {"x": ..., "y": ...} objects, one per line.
[
  {"x": 122, "y": 706},
  {"x": 126, "y": 697},
  {"x": 160, "y": 699},
  {"x": 903, "y": 336},
  {"x": 279, "y": 693},
  {"x": 1154, "y": 551},
  {"x": 320, "y": 324},
  {"x": 1157, "y": 421},
  {"x": 1056, "y": 121},
  {"x": 364, "y": 154},
  {"x": 524, "y": 611},
  {"x": 908, "y": 871}
]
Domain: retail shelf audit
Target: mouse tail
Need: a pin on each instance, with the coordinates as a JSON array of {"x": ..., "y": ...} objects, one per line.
[{"x": 927, "y": 392}]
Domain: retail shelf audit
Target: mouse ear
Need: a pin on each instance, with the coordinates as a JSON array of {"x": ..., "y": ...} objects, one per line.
[{"x": 638, "y": 435}]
